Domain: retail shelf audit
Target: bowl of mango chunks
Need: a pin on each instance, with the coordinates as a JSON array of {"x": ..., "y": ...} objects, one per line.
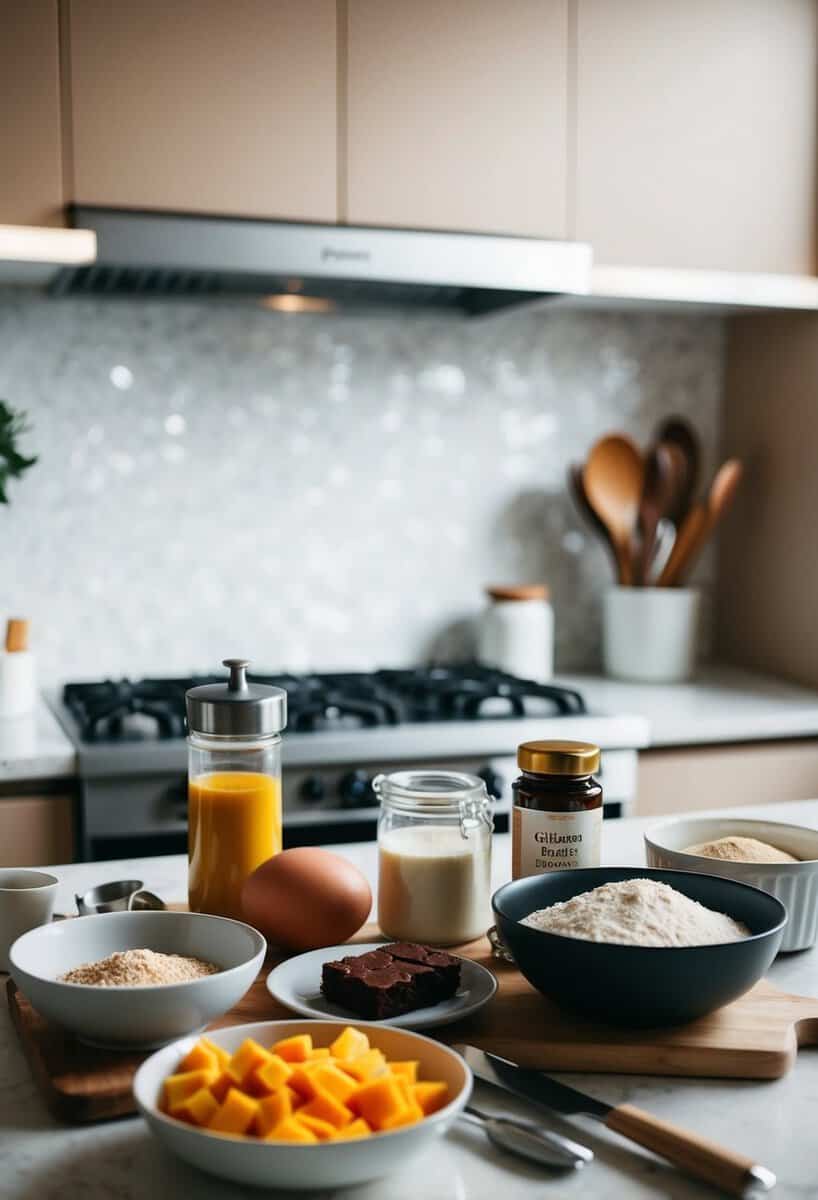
[{"x": 302, "y": 1104}]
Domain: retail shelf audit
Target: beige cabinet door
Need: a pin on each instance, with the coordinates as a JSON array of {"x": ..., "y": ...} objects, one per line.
[
  {"x": 696, "y": 133},
  {"x": 456, "y": 115},
  {"x": 206, "y": 106},
  {"x": 36, "y": 830},
  {"x": 31, "y": 191}
]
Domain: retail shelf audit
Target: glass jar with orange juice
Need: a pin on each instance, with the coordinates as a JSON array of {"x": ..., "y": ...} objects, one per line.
[{"x": 234, "y": 786}]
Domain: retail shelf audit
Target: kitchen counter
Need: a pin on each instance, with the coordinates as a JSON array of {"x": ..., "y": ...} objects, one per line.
[
  {"x": 35, "y": 747},
  {"x": 774, "y": 1122},
  {"x": 722, "y": 704}
]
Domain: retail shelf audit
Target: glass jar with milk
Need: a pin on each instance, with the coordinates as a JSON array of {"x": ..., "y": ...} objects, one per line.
[{"x": 434, "y": 845}]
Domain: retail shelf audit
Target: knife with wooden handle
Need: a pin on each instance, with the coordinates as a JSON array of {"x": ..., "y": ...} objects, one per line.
[{"x": 698, "y": 1156}]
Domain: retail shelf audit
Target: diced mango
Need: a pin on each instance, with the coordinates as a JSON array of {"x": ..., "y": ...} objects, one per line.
[
  {"x": 409, "y": 1115},
  {"x": 222, "y": 1055},
  {"x": 430, "y": 1096},
  {"x": 329, "y": 1078},
  {"x": 236, "y": 1114},
  {"x": 378, "y": 1101},
  {"x": 178, "y": 1087},
  {"x": 302, "y": 1081},
  {"x": 296, "y": 1092},
  {"x": 350, "y": 1044},
  {"x": 271, "y": 1075},
  {"x": 272, "y": 1110},
  {"x": 291, "y": 1130},
  {"x": 356, "y": 1129},
  {"x": 367, "y": 1066},
  {"x": 322, "y": 1129},
  {"x": 198, "y": 1109},
  {"x": 249, "y": 1057},
  {"x": 326, "y": 1108},
  {"x": 221, "y": 1085},
  {"x": 407, "y": 1070},
  {"x": 294, "y": 1049},
  {"x": 200, "y": 1058}
]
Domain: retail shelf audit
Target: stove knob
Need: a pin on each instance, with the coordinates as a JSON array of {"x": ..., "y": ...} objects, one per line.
[
  {"x": 355, "y": 790},
  {"x": 493, "y": 781},
  {"x": 312, "y": 790}
]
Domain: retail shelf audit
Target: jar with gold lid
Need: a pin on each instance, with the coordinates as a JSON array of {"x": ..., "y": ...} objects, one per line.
[{"x": 556, "y": 820}]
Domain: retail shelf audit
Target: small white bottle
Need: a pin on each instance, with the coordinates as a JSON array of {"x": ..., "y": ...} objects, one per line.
[
  {"x": 516, "y": 632},
  {"x": 18, "y": 675}
]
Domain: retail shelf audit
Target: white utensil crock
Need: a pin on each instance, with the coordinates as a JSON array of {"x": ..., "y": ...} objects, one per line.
[{"x": 650, "y": 634}]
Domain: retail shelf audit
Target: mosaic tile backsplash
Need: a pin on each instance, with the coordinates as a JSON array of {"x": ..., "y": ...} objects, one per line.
[{"x": 319, "y": 491}]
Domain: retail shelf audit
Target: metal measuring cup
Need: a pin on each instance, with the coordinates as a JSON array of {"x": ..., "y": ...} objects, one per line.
[{"x": 123, "y": 895}]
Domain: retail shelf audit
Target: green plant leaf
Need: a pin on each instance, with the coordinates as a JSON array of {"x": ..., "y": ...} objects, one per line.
[{"x": 13, "y": 464}]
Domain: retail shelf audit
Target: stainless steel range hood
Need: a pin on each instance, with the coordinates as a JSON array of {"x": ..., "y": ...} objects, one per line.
[{"x": 300, "y": 267}]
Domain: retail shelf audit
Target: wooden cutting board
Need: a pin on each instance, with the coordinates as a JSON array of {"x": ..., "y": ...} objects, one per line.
[{"x": 757, "y": 1037}]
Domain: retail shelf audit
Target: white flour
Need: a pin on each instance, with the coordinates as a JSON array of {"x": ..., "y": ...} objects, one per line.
[{"x": 638, "y": 912}]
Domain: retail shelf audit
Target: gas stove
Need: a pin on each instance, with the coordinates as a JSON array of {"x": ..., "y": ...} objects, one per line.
[{"x": 343, "y": 729}]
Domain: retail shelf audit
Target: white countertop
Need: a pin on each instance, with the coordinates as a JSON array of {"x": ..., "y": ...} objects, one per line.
[
  {"x": 722, "y": 704},
  {"x": 772, "y": 1121},
  {"x": 35, "y": 747}
]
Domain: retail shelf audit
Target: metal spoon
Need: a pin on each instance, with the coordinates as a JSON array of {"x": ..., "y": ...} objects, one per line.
[
  {"x": 613, "y": 477},
  {"x": 529, "y": 1140}
]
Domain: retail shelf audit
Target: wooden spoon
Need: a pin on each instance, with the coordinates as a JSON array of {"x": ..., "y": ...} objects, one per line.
[
  {"x": 662, "y": 466},
  {"x": 577, "y": 489},
  {"x": 700, "y": 522},
  {"x": 678, "y": 432},
  {"x": 613, "y": 478}
]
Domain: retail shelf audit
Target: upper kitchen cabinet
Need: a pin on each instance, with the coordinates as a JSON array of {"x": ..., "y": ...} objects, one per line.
[
  {"x": 31, "y": 188},
  {"x": 696, "y": 133},
  {"x": 206, "y": 106},
  {"x": 456, "y": 115}
]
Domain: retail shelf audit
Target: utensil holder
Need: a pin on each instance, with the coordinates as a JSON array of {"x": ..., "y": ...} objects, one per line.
[{"x": 650, "y": 634}]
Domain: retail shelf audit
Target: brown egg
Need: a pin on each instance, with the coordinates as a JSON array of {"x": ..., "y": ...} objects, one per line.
[{"x": 305, "y": 898}]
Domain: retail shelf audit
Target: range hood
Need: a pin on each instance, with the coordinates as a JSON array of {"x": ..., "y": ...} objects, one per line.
[
  {"x": 34, "y": 254},
  {"x": 306, "y": 267}
]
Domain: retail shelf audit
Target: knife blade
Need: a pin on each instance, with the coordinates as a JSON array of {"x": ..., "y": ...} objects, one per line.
[
  {"x": 698, "y": 1156},
  {"x": 532, "y": 1084}
]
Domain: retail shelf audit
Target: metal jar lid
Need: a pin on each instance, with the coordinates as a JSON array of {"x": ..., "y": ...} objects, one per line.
[
  {"x": 237, "y": 708},
  {"x": 558, "y": 758}
]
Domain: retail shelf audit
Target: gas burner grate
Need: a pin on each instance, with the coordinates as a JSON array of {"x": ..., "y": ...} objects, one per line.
[{"x": 123, "y": 710}]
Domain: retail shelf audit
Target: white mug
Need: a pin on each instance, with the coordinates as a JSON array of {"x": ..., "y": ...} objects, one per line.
[{"x": 26, "y": 901}]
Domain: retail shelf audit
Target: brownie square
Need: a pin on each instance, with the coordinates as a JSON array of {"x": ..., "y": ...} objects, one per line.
[
  {"x": 446, "y": 966},
  {"x": 382, "y": 983}
]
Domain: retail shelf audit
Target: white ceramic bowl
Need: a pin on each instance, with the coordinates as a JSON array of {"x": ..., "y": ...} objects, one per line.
[
  {"x": 145, "y": 1016},
  {"x": 282, "y": 1164},
  {"x": 794, "y": 884}
]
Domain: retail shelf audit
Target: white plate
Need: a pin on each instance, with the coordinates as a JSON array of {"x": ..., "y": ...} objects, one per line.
[{"x": 297, "y": 984}]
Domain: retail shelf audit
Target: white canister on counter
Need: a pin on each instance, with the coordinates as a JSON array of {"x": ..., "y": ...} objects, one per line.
[
  {"x": 516, "y": 632},
  {"x": 18, "y": 674}
]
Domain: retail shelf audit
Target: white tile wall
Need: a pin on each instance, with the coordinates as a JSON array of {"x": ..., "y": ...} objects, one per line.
[{"x": 313, "y": 491}]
